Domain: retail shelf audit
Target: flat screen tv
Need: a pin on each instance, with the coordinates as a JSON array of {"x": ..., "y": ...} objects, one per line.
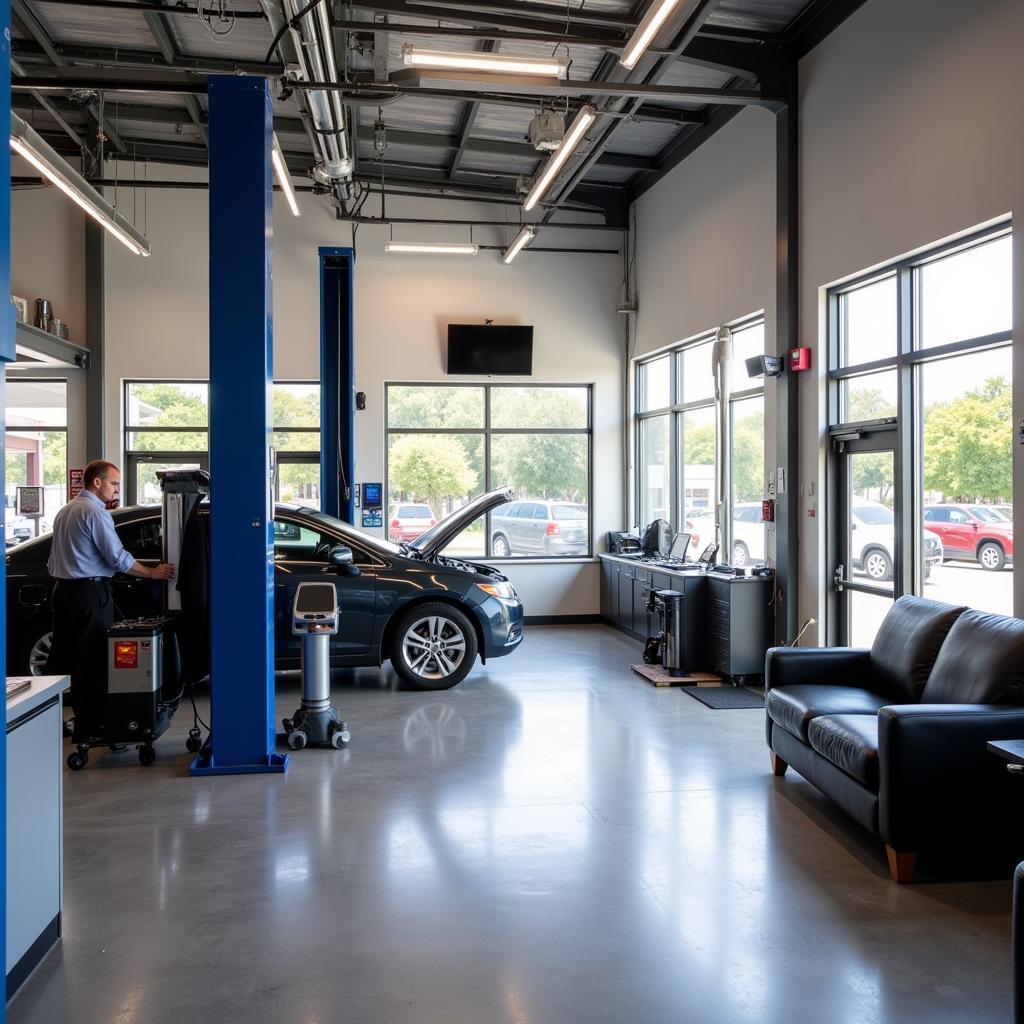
[{"x": 490, "y": 350}]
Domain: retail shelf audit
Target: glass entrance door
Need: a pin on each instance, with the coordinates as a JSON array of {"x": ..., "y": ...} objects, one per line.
[{"x": 867, "y": 544}]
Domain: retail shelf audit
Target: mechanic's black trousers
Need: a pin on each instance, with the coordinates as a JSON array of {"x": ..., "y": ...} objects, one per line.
[{"x": 83, "y": 611}]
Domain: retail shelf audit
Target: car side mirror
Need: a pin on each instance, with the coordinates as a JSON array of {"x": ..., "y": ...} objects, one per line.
[{"x": 342, "y": 559}]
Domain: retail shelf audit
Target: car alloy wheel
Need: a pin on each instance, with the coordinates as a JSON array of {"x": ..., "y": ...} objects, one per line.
[
  {"x": 740, "y": 555},
  {"x": 877, "y": 565},
  {"x": 38, "y": 655},
  {"x": 500, "y": 548},
  {"x": 991, "y": 556},
  {"x": 434, "y": 646}
]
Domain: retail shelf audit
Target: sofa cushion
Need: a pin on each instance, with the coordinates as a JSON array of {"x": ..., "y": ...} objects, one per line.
[
  {"x": 793, "y": 707},
  {"x": 907, "y": 645},
  {"x": 981, "y": 662},
  {"x": 850, "y": 742}
]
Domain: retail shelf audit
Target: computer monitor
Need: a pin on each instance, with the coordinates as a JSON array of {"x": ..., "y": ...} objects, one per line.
[
  {"x": 656, "y": 539},
  {"x": 707, "y": 556},
  {"x": 680, "y": 542}
]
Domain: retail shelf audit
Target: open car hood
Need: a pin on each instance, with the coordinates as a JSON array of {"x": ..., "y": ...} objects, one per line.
[{"x": 428, "y": 544}]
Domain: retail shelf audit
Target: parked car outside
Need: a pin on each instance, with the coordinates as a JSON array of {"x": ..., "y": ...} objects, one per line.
[
  {"x": 428, "y": 613},
  {"x": 872, "y": 536},
  {"x": 972, "y": 533},
  {"x": 16, "y": 528},
  {"x": 1006, "y": 511},
  {"x": 409, "y": 520},
  {"x": 748, "y": 534},
  {"x": 539, "y": 528}
]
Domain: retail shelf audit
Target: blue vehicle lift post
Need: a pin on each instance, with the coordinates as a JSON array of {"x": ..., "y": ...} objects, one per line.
[
  {"x": 6, "y": 356},
  {"x": 337, "y": 383},
  {"x": 241, "y": 379}
]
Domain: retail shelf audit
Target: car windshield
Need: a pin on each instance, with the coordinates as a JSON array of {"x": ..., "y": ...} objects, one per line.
[
  {"x": 414, "y": 512},
  {"x": 874, "y": 515},
  {"x": 568, "y": 512},
  {"x": 988, "y": 515},
  {"x": 347, "y": 530}
]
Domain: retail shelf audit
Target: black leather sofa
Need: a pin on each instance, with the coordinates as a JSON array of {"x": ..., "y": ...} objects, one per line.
[{"x": 897, "y": 734}]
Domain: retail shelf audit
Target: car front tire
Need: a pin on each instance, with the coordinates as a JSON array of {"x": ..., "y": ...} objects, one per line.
[
  {"x": 740, "y": 554},
  {"x": 433, "y": 647},
  {"x": 877, "y": 565},
  {"x": 37, "y": 650},
  {"x": 500, "y": 546},
  {"x": 991, "y": 556}
]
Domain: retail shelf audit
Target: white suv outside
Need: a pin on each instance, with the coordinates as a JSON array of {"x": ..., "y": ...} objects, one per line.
[{"x": 871, "y": 541}]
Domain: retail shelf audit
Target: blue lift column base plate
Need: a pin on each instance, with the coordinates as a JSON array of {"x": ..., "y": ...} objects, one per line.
[{"x": 207, "y": 765}]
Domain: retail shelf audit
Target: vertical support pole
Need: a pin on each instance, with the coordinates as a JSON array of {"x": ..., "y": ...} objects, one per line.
[
  {"x": 95, "y": 391},
  {"x": 787, "y": 312},
  {"x": 337, "y": 383},
  {"x": 241, "y": 378},
  {"x": 6, "y": 356}
]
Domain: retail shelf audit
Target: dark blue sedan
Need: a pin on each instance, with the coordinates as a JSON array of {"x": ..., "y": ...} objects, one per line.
[{"x": 429, "y": 613}]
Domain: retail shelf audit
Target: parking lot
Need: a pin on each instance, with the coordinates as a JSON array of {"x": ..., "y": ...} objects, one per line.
[{"x": 954, "y": 582}]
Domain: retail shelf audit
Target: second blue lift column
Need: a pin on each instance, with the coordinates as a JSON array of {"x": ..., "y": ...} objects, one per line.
[{"x": 241, "y": 378}]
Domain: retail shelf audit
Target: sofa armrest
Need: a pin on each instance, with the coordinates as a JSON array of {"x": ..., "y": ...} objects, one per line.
[
  {"x": 935, "y": 772},
  {"x": 838, "y": 666}
]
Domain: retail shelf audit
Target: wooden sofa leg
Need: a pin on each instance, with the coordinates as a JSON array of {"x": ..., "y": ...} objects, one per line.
[
  {"x": 901, "y": 865},
  {"x": 778, "y": 765}
]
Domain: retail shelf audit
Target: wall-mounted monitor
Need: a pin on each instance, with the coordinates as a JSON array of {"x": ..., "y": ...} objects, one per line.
[{"x": 490, "y": 350}]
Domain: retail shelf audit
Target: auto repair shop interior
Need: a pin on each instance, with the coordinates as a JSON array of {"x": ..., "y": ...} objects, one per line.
[{"x": 585, "y": 435}]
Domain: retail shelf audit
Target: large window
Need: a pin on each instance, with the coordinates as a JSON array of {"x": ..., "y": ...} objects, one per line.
[
  {"x": 448, "y": 443},
  {"x": 36, "y": 452},
  {"x": 922, "y": 433},
  {"x": 167, "y": 424},
  {"x": 678, "y": 422}
]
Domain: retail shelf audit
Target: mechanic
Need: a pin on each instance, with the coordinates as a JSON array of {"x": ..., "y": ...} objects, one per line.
[{"x": 85, "y": 553}]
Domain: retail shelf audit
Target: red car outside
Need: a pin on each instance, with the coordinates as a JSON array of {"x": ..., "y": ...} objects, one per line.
[
  {"x": 410, "y": 520},
  {"x": 972, "y": 533}
]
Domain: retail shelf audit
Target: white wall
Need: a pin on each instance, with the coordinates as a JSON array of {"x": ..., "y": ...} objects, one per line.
[
  {"x": 157, "y": 313},
  {"x": 706, "y": 236}
]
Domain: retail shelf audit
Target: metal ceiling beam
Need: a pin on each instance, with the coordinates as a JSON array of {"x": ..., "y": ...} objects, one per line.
[
  {"x": 52, "y": 110},
  {"x": 552, "y": 12},
  {"x": 27, "y": 19},
  {"x": 469, "y": 118},
  {"x": 160, "y": 29},
  {"x": 816, "y": 21},
  {"x": 699, "y": 11},
  {"x": 494, "y": 147}
]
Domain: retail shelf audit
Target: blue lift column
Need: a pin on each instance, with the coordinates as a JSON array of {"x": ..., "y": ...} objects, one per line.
[
  {"x": 241, "y": 378},
  {"x": 6, "y": 356},
  {"x": 337, "y": 383}
]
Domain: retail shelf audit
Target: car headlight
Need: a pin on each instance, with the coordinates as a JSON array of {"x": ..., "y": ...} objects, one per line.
[{"x": 503, "y": 590}]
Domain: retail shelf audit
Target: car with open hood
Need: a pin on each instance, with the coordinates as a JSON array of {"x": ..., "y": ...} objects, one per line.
[{"x": 429, "y": 613}]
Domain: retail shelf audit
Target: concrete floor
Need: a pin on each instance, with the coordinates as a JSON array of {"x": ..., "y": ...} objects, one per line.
[{"x": 553, "y": 841}]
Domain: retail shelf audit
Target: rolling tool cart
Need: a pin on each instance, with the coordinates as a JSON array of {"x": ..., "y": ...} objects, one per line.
[{"x": 315, "y": 618}]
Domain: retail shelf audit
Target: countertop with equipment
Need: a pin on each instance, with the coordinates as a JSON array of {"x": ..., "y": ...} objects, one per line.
[
  {"x": 729, "y": 618},
  {"x": 35, "y": 822}
]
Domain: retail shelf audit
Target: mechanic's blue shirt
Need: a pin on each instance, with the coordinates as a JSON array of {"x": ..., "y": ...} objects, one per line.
[{"x": 85, "y": 542}]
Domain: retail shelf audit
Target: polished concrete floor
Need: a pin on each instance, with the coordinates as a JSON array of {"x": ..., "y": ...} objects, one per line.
[{"x": 553, "y": 841}]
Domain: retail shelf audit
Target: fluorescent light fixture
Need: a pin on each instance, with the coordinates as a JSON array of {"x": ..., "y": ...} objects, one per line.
[
  {"x": 499, "y": 63},
  {"x": 645, "y": 32},
  {"x": 281, "y": 173},
  {"x": 579, "y": 127},
  {"x": 445, "y": 248},
  {"x": 26, "y": 142},
  {"x": 523, "y": 239}
]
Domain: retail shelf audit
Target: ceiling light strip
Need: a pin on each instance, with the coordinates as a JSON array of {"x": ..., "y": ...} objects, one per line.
[
  {"x": 282, "y": 175},
  {"x": 444, "y": 248},
  {"x": 523, "y": 239},
  {"x": 579, "y": 127},
  {"x": 645, "y": 32},
  {"x": 500, "y": 63},
  {"x": 27, "y": 143}
]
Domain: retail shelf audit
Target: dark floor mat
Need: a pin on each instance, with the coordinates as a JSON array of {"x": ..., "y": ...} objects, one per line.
[{"x": 719, "y": 697}]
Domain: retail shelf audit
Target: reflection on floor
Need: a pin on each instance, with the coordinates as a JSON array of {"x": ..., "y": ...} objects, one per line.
[{"x": 553, "y": 841}]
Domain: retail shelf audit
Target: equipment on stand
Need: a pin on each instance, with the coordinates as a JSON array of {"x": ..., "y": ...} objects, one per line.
[
  {"x": 666, "y": 646},
  {"x": 145, "y": 676},
  {"x": 315, "y": 618}
]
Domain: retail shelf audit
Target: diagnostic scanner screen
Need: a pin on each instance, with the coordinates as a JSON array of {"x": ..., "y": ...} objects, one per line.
[{"x": 316, "y": 600}]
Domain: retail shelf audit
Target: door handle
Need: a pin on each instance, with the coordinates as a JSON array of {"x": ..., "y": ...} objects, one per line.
[{"x": 838, "y": 578}]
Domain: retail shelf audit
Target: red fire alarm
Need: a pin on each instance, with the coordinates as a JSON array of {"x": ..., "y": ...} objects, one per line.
[
  {"x": 768, "y": 510},
  {"x": 799, "y": 358}
]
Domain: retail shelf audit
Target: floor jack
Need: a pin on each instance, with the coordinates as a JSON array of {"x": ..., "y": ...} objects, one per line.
[{"x": 315, "y": 618}]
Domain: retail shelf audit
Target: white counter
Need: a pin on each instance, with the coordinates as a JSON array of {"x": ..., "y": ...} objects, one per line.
[{"x": 35, "y": 820}]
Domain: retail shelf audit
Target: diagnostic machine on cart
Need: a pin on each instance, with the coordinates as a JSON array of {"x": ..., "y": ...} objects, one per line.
[{"x": 315, "y": 618}]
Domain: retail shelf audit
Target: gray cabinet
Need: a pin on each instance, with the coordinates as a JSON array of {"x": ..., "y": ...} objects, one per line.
[{"x": 739, "y": 624}]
